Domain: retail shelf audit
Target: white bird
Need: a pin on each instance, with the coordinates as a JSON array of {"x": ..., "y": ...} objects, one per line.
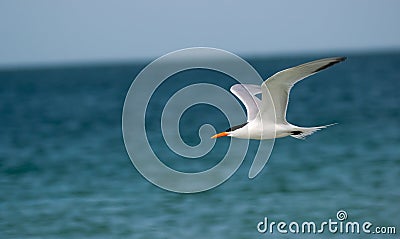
[{"x": 266, "y": 118}]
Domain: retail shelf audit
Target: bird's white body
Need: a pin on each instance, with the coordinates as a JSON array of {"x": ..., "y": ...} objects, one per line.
[
  {"x": 255, "y": 130},
  {"x": 266, "y": 117}
]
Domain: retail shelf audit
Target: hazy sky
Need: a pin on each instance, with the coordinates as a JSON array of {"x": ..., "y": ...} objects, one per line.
[{"x": 49, "y": 31}]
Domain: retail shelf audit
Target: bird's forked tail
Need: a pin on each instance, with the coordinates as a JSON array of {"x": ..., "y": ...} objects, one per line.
[{"x": 303, "y": 132}]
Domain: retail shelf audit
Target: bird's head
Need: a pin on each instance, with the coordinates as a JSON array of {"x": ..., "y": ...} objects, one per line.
[{"x": 229, "y": 132}]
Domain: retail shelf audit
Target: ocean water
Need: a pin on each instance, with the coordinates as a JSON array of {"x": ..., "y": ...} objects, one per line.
[{"x": 65, "y": 173}]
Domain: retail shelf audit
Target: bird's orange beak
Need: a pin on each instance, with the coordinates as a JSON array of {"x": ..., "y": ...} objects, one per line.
[{"x": 220, "y": 135}]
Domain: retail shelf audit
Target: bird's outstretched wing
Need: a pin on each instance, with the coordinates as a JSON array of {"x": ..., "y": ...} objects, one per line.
[
  {"x": 247, "y": 94},
  {"x": 279, "y": 86}
]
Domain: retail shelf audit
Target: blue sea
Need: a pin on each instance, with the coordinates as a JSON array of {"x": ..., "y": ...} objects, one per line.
[{"x": 65, "y": 173}]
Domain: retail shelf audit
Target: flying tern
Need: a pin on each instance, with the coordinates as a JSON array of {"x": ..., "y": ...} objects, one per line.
[{"x": 266, "y": 117}]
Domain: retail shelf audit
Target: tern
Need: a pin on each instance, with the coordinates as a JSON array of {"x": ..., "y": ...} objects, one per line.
[{"x": 266, "y": 117}]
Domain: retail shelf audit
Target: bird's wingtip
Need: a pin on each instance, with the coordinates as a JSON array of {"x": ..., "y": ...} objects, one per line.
[{"x": 332, "y": 61}]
